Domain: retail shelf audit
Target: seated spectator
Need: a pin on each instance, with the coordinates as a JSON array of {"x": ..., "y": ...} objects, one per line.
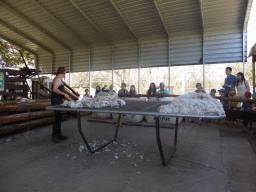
[
  {"x": 110, "y": 88},
  {"x": 199, "y": 88},
  {"x": 123, "y": 89},
  {"x": 254, "y": 104},
  {"x": 246, "y": 107},
  {"x": 213, "y": 92},
  {"x": 233, "y": 105},
  {"x": 152, "y": 89},
  {"x": 98, "y": 90},
  {"x": 162, "y": 90},
  {"x": 86, "y": 93},
  {"x": 224, "y": 103},
  {"x": 132, "y": 90}
]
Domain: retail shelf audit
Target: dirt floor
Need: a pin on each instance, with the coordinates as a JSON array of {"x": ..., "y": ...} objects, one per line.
[
  {"x": 236, "y": 131},
  {"x": 210, "y": 156}
]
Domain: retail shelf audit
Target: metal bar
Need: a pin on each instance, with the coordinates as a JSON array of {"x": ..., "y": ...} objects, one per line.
[
  {"x": 159, "y": 141},
  {"x": 24, "y": 18},
  {"x": 89, "y": 19},
  {"x": 117, "y": 126},
  {"x": 85, "y": 141},
  {"x": 126, "y": 22},
  {"x": 56, "y": 20},
  {"x": 15, "y": 30},
  {"x": 70, "y": 69},
  {"x": 253, "y": 72},
  {"x": 18, "y": 45},
  {"x": 176, "y": 131},
  {"x": 90, "y": 80},
  {"x": 81, "y": 133},
  {"x": 169, "y": 67}
]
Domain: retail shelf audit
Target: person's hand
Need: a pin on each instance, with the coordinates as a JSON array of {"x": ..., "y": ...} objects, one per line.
[
  {"x": 234, "y": 108},
  {"x": 66, "y": 96}
]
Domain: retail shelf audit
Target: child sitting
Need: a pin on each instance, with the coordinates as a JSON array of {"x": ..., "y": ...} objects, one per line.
[{"x": 233, "y": 105}]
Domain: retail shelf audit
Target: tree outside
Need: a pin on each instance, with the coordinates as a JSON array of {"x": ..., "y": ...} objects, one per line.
[{"x": 10, "y": 56}]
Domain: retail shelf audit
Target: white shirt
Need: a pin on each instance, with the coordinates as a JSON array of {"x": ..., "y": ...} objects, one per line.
[{"x": 242, "y": 88}]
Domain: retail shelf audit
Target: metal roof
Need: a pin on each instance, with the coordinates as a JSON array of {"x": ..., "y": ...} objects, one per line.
[{"x": 113, "y": 34}]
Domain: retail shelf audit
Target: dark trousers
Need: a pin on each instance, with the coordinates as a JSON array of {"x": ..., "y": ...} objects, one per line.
[{"x": 56, "y": 129}]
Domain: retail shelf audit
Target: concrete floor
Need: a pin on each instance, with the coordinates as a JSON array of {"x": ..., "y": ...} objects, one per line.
[{"x": 204, "y": 161}]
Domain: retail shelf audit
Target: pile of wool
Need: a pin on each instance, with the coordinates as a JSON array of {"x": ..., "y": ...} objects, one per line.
[
  {"x": 100, "y": 100},
  {"x": 194, "y": 104}
]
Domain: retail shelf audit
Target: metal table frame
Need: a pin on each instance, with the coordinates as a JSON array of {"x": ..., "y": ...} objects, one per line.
[{"x": 119, "y": 111}]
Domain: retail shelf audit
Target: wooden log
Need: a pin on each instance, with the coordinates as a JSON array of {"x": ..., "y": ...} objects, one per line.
[
  {"x": 236, "y": 100},
  {"x": 24, "y": 106},
  {"x": 73, "y": 91},
  {"x": 15, "y": 102},
  {"x": 25, "y": 116},
  {"x": 37, "y": 90},
  {"x": 41, "y": 84},
  {"x": 7, "y": 129},
  {"x": 71, "y": 95},
  {"x": 44, "y": 94}
]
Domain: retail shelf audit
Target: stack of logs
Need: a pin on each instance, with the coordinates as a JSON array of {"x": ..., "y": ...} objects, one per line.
[{"x": 16, "y": 116}]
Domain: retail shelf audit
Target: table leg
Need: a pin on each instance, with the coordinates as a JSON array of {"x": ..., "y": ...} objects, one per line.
[
  {"x": 170, "y": 154},
  {"x": 85, "y": 141}
]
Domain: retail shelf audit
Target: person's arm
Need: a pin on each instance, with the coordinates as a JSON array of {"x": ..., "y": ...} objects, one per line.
[
  {"x": 135, "y": 93},
  {"x": 166, "y": 92},
  {"x": 234, "y": 81},
  {"x": 247, "y": 85},
  {"x": 55, "y": 85}
]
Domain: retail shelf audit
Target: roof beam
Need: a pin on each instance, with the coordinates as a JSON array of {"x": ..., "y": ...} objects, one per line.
[
  {"x": 73, "y": 33},
  {"x": 161, "y": 17},
  {"x": 15, "y": 12},
  {"x": 89, "y": 19},
  {"x": 25, "y": 36},
  {"x": 202, "y": 14},
  {"x": 126, "y": 22},
  {"x": 17, "y": 44},
  {"x": 247, "y": 15},
  {"x": 20, "y": 46}
]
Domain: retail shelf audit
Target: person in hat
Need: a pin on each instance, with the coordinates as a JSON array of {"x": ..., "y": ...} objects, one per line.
[
  {"x": 199, "y": 88},
  {"x": 58, "y": 95},
  {"x": 230, "y": 81},
  {"x": 213, "y": 92},
  {"x": 224, "y": 103},
  {"x": 162, "y": 90}
]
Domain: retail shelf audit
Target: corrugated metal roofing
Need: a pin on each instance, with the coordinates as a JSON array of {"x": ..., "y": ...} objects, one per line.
[{"x": 116, "y": 34}]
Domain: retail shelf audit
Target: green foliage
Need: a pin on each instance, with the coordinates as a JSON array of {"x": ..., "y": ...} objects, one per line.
[{"x": 11, "y": 57}]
